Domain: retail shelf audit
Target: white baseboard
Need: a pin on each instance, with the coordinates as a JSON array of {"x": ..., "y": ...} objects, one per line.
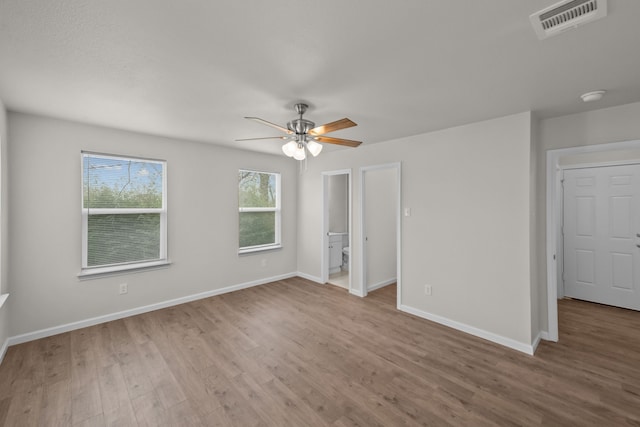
[
  {"x": 490, "y": 336},
  {"x": 5, "y": 344},
  {"x": 357, "y": 292},
  {"x": 3, "y": 350},
  {"x": 43, "y": 333},
  {"x": 382, "y": 284},
  {"x": 545, "y": 336},
  {"x": 536, "y": 341},
  {"x": 310, "y": 277}
]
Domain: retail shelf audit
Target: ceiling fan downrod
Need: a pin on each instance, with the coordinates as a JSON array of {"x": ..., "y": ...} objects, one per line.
[{"x": 300, "y": 126}]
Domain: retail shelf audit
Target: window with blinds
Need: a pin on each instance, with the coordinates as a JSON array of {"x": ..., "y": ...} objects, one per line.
[
  {"x": 124, "y": 213},
  {"x": 259, "y": 210}
]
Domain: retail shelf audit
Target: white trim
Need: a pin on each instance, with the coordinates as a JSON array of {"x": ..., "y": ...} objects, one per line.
[
  {"x": 324, "y": 250},
  {"x": 252, "y": 249},
  {"x": 121, "y": 156},
  {"x": 121, "y": 211},
  {"x": 536, "y": 342},
  {"x": 554, "y": 214},
  {"x": 43, "y": 333},
  {"x": 356, "y": 292},
  {"x": 498, "y": 339},
  {"x": 399, "y": 236},
  {"x": 310, "y": 277},
  {"x": 5, "y": 344},
  {"x": 382, "y": 284},
  {"x": 96, "y": 272},
  {"x": 600, "y": 165},
  {"x": 244, "y": 210},
  {"x": 3, "y": 349},
  {"x": 324, "y": 238}
]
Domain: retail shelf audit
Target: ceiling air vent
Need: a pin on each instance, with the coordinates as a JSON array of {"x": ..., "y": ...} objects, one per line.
[{"x": 566, "y": 15}]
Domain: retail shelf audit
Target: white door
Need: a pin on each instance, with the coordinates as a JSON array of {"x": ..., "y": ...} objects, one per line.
[{"x": 601, "y": 235}]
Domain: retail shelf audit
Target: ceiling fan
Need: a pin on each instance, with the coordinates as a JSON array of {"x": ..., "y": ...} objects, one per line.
[{"x": 304, "y": 134}]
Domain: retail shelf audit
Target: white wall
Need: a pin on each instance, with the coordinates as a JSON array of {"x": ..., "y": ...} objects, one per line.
[
  {"x": 380, "y": 209},
  {"x": 603, "y": 126},
  {"x": 4, "y": 235},
  {"x": 469, "y": 232},
  {"x": 338, "y": 203},
  {"x": 45, "y": 239}
]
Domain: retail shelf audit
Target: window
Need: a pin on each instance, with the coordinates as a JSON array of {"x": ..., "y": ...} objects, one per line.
[
  {"x": 259, "y": 210},
  {"x": 124, "y": 213}
]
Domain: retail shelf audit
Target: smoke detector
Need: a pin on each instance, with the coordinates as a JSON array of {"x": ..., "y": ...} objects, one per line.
[
  {"x": 596, "y": 95},
  {"x": 566, "y": 15}
]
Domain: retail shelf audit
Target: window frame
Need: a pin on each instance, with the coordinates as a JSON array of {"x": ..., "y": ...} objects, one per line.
[
  {"x": 107, "y": 269},
  {"x": 277, "y": 209}
]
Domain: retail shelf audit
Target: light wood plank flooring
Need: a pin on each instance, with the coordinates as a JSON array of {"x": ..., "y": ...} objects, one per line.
[{"x": 293, "y": 353}]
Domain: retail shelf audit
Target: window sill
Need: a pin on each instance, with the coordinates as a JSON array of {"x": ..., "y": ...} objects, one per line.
[
  {"x": 258, "y": 249},
  {"x": 3, "y": 298},
  {"x": 96, "y": 273}
]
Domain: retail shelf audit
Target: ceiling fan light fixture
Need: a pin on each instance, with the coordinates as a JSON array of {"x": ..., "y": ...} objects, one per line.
[
  {"x": 314, "y": 148},
  {"x": 289, "y": 148},
  {"x": 299, "y": 153}
]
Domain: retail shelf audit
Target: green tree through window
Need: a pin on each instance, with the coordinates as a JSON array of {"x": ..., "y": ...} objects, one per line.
[{"x": 259, "y": 209}]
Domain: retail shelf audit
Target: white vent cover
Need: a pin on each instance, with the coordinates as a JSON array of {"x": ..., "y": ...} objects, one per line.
[{"x": 566, "y": 15}]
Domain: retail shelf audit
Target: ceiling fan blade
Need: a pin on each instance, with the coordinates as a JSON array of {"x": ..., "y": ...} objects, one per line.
[
  {"x": 264, "y": 137},
  {"x": 332, "y": 127},
  {"x": 273, "y": 125},
  {"x": 338, "y": 141}
]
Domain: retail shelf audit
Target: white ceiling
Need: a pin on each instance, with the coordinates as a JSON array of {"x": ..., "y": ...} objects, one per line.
[{"x": 193, "y": 69}]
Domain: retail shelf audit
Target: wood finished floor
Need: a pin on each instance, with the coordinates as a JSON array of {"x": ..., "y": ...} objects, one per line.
[{"x": 293, "y": 353}]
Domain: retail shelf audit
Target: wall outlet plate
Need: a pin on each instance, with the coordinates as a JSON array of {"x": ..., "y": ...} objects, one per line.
[
  {"x": 427, "y": 289},
  {"x": 124, "y": 288}
]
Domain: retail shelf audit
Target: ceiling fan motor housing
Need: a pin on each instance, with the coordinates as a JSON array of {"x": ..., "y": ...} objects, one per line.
[{"x": 300, "y": 126}]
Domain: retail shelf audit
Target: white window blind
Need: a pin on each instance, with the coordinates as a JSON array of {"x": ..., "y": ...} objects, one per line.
[{"x": 124, "y": 212}]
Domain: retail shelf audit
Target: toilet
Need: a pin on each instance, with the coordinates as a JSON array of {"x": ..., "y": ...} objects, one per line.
[{"x": 345, "y": 258}]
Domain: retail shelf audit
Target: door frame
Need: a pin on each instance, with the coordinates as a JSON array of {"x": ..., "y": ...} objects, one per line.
[
  {"x": 397, "y": 166},
  {"x": 324, "y": 263},
  {"x": 555, "y": 194}
]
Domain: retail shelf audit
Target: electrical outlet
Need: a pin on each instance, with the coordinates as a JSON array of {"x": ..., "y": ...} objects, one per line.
[
  {"x": 124, "y": 288},
  {"x": 427, "y": 290}
]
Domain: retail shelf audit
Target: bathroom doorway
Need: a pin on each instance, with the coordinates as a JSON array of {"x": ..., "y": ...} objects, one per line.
[{"x": 336, "y": 240}]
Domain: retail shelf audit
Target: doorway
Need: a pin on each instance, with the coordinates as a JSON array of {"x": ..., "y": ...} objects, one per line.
[
  {"x": 336, "y": 230},
  {"x": 601, "y": 232},
  {"x": 380, "y": 227},
  {"x": 554, "y": 214}
]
